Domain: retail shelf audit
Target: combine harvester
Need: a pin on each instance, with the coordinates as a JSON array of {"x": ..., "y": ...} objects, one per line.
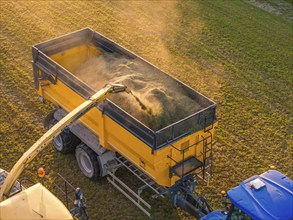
[
  {"x": 36, "y": 202},
  {"x": 167, "y": 160}
]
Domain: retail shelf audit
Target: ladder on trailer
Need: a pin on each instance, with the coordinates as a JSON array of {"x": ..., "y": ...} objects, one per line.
[
  {"x": 205, "y": 172},
  {"x": 202, "y": 163},
  {"x": 131, "y": 194}
]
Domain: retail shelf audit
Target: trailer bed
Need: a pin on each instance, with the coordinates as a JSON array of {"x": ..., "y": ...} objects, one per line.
[
  {"x": 170, "y": 104},
  {"x": 149, "y": 127}
]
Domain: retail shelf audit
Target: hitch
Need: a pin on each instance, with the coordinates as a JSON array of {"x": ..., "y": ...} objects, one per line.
[{"x": 183, "y": 195}]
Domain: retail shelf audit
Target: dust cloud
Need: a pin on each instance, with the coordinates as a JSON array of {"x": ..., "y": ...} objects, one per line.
[{"x": 156, "y": 100}]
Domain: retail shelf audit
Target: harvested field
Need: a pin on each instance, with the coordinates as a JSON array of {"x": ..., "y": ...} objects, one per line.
[{"x": 234, "y": 52}]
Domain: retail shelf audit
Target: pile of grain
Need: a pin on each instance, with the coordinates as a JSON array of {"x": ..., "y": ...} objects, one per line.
[{"x": 156, "y": 100}]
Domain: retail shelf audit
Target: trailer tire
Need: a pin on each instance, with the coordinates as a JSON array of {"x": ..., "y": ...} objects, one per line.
[
  {"x": 66, "y": 141},
  {"x": 87, "y": 161},
  {"x": 49, "y": 118}
]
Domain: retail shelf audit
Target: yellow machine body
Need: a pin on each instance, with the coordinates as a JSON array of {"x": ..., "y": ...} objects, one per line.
[{"x": 36, "y": 202}]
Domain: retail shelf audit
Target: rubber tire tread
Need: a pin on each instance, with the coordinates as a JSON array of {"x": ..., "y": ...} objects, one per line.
[
  {"x": 69, "y": 140},
  {"x": 49, "y": 118},
  {"x": 94, "y": 160}
]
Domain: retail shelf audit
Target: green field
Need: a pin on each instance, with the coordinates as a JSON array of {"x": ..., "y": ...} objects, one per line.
[{"x": 238, "y": 53}]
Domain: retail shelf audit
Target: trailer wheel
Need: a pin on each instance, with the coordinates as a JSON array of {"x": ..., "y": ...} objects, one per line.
[
  {"x": 87, "y": 161},
  {"x": 49, "y": 118},
  {"x": 66, "y": 141}
]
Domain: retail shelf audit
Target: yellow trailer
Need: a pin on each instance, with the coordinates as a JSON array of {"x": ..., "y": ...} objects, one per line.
[{"x": 109, "y": 136}]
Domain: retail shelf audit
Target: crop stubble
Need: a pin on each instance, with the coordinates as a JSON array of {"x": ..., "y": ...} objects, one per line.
[{"x": 237, "y": 54}]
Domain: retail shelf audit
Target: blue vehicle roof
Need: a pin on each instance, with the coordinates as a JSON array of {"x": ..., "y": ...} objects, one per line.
[
  {"x": 265, "y": 196},
  {"x": 215, "y": 215}
]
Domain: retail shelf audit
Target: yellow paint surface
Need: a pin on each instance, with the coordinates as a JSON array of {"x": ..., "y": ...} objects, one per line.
[
  {"x": 35, "y": 202},
  {"x": 114, "y": 137}
]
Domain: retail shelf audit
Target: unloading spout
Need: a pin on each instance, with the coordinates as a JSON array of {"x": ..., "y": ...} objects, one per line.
[{"x": 117, "y": 87}]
